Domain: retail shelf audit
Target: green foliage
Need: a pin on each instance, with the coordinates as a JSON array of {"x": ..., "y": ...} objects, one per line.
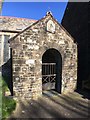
[
  {"x": 4, "y": 87},
  {"x": 0, "y": 98},
  {"x": 8, "y": 104}
]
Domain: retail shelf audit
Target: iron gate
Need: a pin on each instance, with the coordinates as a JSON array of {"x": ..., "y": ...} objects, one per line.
[{"x": 48, "y": 76}]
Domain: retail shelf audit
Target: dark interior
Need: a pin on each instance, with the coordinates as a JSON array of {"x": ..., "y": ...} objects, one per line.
[{"x": 53, "y": 56}]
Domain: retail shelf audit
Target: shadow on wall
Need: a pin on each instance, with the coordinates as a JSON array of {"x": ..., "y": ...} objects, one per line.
[
  {"x": 76, "y": 15},
  {"x": 7, "y": 74}
]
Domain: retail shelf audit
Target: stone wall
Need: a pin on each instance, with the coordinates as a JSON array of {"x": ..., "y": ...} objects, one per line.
[
  {"x": 9, "y": 27},
  {"x": 27, "y": 51}
]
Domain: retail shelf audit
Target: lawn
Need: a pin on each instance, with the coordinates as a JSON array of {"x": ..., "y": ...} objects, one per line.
[{"x": 7, "y": 104}]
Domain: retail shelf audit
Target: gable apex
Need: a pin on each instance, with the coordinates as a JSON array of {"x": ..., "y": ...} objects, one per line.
[
  {"x": 49, "y": 13},
  {"x": 50, "y": 19}
]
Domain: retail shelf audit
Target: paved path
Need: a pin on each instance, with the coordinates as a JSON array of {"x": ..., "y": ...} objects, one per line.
[{"x": 52, "y": 105}]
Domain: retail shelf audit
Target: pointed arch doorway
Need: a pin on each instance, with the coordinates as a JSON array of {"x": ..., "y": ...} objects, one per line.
[{"x": 52, "y": 70}]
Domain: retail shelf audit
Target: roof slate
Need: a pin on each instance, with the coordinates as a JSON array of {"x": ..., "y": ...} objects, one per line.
[{"x": 14, "y": 23}]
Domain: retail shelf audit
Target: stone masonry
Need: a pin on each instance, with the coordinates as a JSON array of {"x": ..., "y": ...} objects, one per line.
[
  {"x": 10, "y": 26},
  {"x": 28, "y": 48}
]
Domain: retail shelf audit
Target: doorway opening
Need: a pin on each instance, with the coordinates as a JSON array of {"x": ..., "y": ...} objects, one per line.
[{"x": 52, "y": 70}]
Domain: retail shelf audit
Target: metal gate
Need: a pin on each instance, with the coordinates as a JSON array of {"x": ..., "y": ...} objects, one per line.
[{"x": 48, "y": 76}]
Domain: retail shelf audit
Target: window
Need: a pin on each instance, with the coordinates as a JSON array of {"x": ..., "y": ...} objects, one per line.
[{"x": 6, "y": 55}]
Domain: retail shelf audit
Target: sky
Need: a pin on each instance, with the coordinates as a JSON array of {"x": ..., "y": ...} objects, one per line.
[{"x": 34, "y": 10}]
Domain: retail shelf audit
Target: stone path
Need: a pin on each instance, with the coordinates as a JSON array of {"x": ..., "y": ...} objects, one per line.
[{"x": 53, "y": 105}]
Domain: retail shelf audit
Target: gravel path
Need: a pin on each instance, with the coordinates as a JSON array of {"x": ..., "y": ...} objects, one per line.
[{"x": 53, "y": 105}]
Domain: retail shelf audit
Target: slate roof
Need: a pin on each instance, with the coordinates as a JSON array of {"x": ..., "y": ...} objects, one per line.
[{"x": 14, "y": 23}]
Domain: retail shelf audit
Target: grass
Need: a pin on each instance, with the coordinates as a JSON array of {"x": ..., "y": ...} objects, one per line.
[{"x": 8, "y": 104}]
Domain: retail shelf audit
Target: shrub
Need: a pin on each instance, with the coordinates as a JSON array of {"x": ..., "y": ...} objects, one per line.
[{"x": 8, "y": 104}]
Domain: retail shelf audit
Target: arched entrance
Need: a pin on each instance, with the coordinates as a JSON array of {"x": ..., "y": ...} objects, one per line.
[{"x": 52, "y": 70}]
